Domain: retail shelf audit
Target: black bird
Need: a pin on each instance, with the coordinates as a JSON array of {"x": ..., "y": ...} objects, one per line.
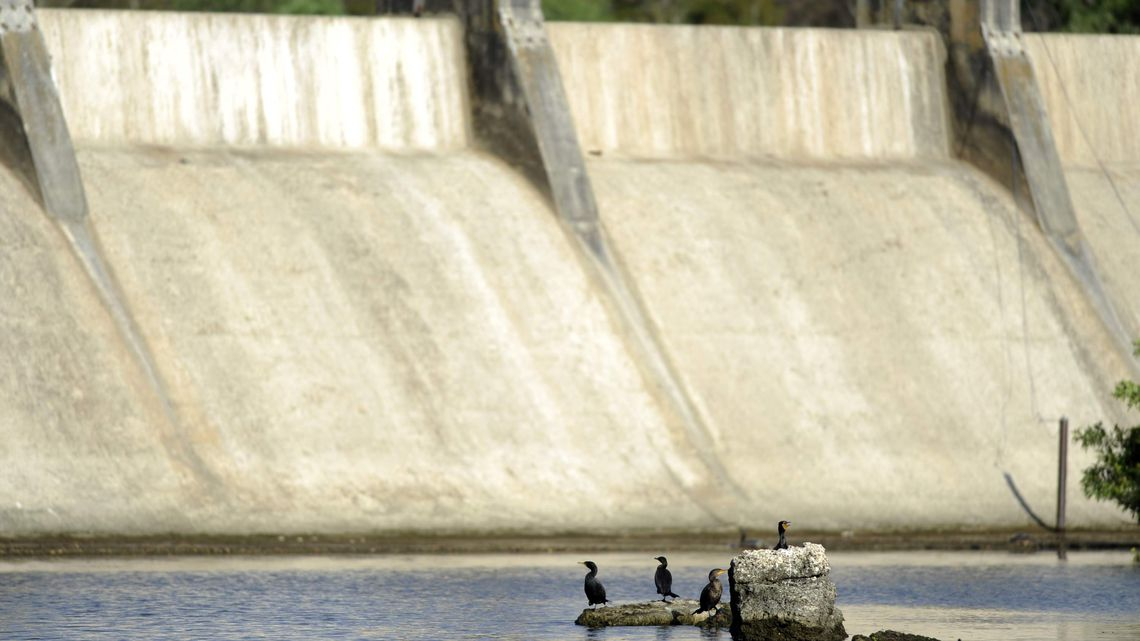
[
  {"x": 664, "y": 579},
  {"x": 595, "y": 591},
  {"x": 710, "y": 596},
  {"x": 783, "y": 544}
]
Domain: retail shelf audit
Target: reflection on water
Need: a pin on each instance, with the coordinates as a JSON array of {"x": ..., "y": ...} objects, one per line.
[
  {"x": 976, "y": 596},
  {"x": 968, "y": 624},
  {"x": 992, "y": 595}
]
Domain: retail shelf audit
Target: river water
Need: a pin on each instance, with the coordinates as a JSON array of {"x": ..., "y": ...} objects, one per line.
[{"x": 971, "y": 596}]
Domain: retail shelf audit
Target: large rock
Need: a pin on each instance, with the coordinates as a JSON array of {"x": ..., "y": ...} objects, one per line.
[
  {"x": 677, "y": 612},
  {"x": 784, "y": 595}
]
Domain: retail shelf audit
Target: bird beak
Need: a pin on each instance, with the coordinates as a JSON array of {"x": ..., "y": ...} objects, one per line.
[
  {"x": 581, "y": 563},
  {"x": 722, "y": 572}
]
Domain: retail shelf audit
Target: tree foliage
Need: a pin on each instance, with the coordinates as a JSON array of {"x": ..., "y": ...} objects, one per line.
[
  {"x": 578, "y": 10},
  {"x": 312, "y": 7},
  {"x": 1098, "y": 16},
  {"x": 723, "y": 12},
  {"x": 1116, "y": 474},
  {"x": 322, "y": 7}
]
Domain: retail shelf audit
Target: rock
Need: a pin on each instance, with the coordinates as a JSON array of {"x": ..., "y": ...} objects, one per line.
[
  {"x": 784, "y": 595},
  {"x": 891, "y": 635},
  {"x": 677, "y": 612},
  {"x": 1023, "y": 543}
]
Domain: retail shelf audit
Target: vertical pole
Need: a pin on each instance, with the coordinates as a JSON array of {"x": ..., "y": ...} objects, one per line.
[
  {"x": 898, "y": 14},
  {"x": 1062, "y": 474}
]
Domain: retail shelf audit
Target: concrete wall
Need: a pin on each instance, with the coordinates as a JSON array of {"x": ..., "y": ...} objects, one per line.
[
  {"x": 654, "y": 91},
  {"x": 1091, "y": 105},
  {"x": 367, "y": 324},
  {"x": 842, "y": 320},
  {"x": 1092, "y": 93},
  {"x": 208, "y": 80}
]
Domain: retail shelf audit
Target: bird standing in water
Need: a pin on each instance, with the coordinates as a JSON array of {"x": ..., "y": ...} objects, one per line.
[
  {"x": 595, "y": 591},
  {"x": 783, "y": 543},
  {"x": 664, "y": 579},
  {"x": 710, "y": 596}
]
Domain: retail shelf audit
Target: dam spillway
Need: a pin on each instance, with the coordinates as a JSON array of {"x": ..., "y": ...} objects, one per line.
[{"x": 367, "y": 323}]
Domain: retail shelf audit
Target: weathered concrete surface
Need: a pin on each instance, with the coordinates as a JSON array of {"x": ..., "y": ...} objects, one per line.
[
  {"x": 824, "y": 317},
  {"x": 784, "y": 594},
  {"x": 388, "y": 332},
  {"x": 780, "y": 287},
  {"x": 676, "y": 612},
  {"x": 202, "y": 79},
  {"x": 536, "y": 86},
  {"x": 1092, "y": 96},
  {"x": 410, "y": 358},
  {"x": 728, "y": 92},
  {"x": 1038, "y": 157},
  {"x": 1091, "y": 106}
]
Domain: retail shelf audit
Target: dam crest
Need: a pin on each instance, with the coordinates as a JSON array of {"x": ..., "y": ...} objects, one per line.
[{"x": 365, "y": 318}]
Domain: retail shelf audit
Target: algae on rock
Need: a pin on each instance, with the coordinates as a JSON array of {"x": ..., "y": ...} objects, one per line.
[
  {"x": 784, "y": 594},
  {"x": 678, "y": 612}
]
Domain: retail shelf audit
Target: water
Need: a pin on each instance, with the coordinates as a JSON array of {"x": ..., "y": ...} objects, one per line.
[
  {"x": 991, "y": 595},
  {"x": 969, "y": 596}
]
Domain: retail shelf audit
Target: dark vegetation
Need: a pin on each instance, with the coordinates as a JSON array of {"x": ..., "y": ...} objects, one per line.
[
  {"x": 1116, "y": 474},
  {"x": 1093, "y": 16}
]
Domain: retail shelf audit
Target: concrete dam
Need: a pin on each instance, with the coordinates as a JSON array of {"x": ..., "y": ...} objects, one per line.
[{"x": 340, "y": 312}]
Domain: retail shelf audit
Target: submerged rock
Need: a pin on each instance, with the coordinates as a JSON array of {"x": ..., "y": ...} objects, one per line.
[
  {"x": 784, "y": 594},
  {"x": 891, "y": 635},
  {"x": 678, "y": 612}
]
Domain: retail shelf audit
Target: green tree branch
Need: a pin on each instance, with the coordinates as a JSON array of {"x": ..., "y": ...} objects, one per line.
[{"x": 1116, "y": 474}]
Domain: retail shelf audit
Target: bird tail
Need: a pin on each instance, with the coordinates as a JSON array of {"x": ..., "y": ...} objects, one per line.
[
  {"x": 675, "y": 596},
  {"x": 697, "y": 611}
]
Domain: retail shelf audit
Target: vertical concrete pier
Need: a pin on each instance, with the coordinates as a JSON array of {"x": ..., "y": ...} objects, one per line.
[
  {"x": 34, "y": 97},
  {"x": 56, "y": 176},
  {"x": 522, "y": 111},
  {"x": 1037, "y": 153}
]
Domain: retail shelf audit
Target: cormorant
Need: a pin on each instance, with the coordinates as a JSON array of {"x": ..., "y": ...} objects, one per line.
[
  {"x": 595, "y": 591},
  {"x": 710, "y": 596},
  {"x": 783, "y": 544},
  {"x": 664, "y": 579}
]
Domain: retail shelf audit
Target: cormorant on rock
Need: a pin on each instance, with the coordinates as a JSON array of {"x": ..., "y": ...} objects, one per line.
[
  {"x": 710, "y": 596},
  {"x": 664, "y": 579},
  {"x": 783, "y": 544},
  {"x": 595, "y": 591}
]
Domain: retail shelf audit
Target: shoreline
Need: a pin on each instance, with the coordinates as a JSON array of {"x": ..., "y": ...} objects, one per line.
[{"x": 76, "y": 545}]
